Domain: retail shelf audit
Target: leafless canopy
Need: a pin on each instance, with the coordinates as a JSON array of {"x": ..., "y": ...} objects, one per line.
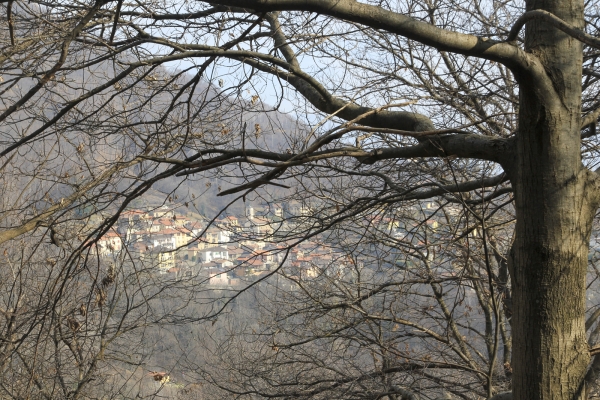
[{"x": 414, "y": 133}]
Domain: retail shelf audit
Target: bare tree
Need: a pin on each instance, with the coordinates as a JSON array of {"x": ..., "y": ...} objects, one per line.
[
  {"x": 406, "y": 100},
  {"x": 387, "y": 312}
]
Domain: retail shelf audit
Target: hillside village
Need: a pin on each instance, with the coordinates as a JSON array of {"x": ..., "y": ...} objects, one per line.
[
  {"x": 231, "y": 249},
  {"x": 225, "y": 251}
]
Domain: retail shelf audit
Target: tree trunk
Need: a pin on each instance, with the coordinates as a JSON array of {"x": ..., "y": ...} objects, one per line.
[{"x": 554, "y": 218}]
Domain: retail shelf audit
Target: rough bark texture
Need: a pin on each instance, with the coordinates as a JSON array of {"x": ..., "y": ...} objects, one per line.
[{"x": 554, "y": 216}]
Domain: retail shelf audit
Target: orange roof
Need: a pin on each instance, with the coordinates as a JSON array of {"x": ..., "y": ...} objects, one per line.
[
  {"x": 167, "y": 231},
  {"x": 110, "y": 234},
  {"x": 132, "y": 212}
]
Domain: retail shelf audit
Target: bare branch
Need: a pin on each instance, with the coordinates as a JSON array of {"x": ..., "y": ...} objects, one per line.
[
  {"x": 555, "y": 22},
  {"x": 410, "y": 28}
]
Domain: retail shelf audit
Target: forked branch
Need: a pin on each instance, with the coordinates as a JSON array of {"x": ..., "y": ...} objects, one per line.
[{"x": 555, "y": 22}]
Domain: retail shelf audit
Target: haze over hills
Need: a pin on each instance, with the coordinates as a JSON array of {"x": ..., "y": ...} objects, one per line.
[
  {"x": 225, "y": 119},
  {"x": 204, "y": 187}
]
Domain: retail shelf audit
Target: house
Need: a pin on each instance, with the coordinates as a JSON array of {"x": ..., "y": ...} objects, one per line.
[
  {"x": 235, "y": 252},
  {"x": 223, "y": 263},
  {"x": 180, "y": 221},
  {"x": 231, "y": 223},
  {"x": 161, "y": 212},
  {"x": 164, "y": 238},
  {"x": 109, "y": 243},
  {"x": 277, "y": 210},
  {"x": 253, "y": 243},
  {"x": 182, "y": 237},
  {"x": 195, "y": 228},
  {"x": 161, "y": 258},
  {"x": 296, "y": 208},
  {"x": 164, "y": 223},
  {"x": 304, "y": 270},
  {"x": 255, "y": 264},
  {"x": 132, "y": 221},
  {"x": 192, "y": 250},
  {"x": 263, "y": 226},
  {"x": 265, "y": 256},
  {"x": 217, "y": 277},
  {"x": 216, "y": 235},
  {"x": 213, "y": 253}
]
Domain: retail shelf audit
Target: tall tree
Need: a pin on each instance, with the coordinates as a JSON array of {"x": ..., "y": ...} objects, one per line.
[
  {"x": 512, "y": 108},
  {"x": 556, "y": 197}
]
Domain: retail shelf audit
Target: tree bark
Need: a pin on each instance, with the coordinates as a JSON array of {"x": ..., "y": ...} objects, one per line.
[{"x": 555, "y": 208}]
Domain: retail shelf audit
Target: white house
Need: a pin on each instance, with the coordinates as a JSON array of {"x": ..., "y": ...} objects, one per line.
[{"x": 213, "y": 253}]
